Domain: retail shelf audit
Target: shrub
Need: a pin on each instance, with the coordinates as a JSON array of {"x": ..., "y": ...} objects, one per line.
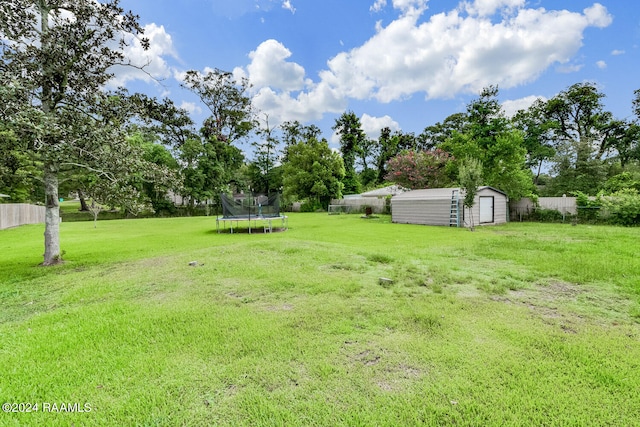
[
  {"x": 623, "y": 207},
  {"x": 546, "y": 215},
  {"x": 588, "y": 207},
  {"x": 622, "y": 181},
  {"x": 311, "y": 205}
]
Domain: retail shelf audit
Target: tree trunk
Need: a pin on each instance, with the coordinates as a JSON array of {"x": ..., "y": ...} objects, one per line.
[
  {"x": 83, "y": 202},
  {"x": 471, "y": 227},
  {"x": 537, "y": 178},
  {"x": 52, "y": 254}
]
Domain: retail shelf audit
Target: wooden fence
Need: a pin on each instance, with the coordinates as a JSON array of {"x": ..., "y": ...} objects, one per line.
[
  {"x": 525, "y": 207},
  {"x": 358, "y": 204},
  {"x": 15, "y": 214}
]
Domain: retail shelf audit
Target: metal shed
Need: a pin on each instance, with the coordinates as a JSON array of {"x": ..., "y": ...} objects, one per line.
[{"x": 443, "y": 206}]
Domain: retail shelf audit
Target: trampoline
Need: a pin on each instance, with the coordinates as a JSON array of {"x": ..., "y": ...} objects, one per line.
[{"x": 259, "y": 213}]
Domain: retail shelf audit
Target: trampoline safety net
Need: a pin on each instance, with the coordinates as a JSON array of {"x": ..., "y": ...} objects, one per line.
[{"x": 250, "y": 207}]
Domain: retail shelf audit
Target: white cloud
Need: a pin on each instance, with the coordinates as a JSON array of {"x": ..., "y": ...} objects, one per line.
[
  {"x": 454, "y": 52},
  {"x": 191, "y": 108},
  {"x": 269, "y": 67},
  {"x": 601, "y": 64},
  {"x": 286, "y": 4},
  {"x": 233, "y": 9},
  {"x": 304, "y": 106},
  {"x": 281, "y": 90},
  {"x": 152, "y": 60},
  {"x": 570, "y": 68},
  {"x": 181, "y": 75},
  {"x": 598, "y": 16},
  {"x": 490, "y": 7},
  {"x": 410, "y": 6},
  {"x": 617, "y": 52},
  {"x": 512, "y": 106},
  {"x": 378, "y": 6},
  {"x": 372, "y": 125}
]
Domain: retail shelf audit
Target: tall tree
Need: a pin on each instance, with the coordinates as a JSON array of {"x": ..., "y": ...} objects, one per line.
[
  {"x": 264, "y": 170},
  {"x": 386, "y": 148},
  {"x": 294, "y": 132},
  {"x": 625, "y": 137},
  {"x": 538, "y": 132},
  {"x": 157, "y": 190},
  {"x": 489, "y": 138},
  {"x": 217, "y": 159},
  {"x": 170, "y": 124},
  {"x": 365, "y": 159},
  {"x": 209, "y": 168},
  {"x": 582, "y": 123},
  {"x": 582, "y": 131},
  {"x": 352, "y": 139},
  {"x": 435, "y": 135},
  {"x": 312, "y": 171},
  {"x": 623, "y": 141},
  {"x": 636, "y": 103},
  {"x": 226, "y": 98},
  {"x": 503, "y": 161},
  {"x": 56, "y": 58},
  {"x": 486, "y": 120}
]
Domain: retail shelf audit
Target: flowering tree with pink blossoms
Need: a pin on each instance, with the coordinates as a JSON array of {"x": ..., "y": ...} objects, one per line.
[{"x": 420, "y": 169}]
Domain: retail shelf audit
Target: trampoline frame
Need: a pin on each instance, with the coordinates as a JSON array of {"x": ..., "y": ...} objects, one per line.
[{"x": 267, "y": 222}]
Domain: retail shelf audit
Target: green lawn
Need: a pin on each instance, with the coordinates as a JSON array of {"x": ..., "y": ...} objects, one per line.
[{"x": 517, "y": 325}]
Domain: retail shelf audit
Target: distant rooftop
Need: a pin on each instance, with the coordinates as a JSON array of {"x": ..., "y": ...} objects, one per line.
[{"x": 391, "y": 190}]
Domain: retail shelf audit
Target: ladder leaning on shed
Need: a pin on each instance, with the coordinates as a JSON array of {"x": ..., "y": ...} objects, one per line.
[{"x": 454, "y": 213}]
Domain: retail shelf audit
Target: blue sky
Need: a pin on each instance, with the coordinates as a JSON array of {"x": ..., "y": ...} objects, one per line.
[{"x": 406, "y": 64}]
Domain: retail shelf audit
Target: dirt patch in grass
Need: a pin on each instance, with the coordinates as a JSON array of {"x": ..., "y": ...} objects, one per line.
[
  {"x": 398, "y": 378},
  {"x": 234, "y": 295},
  {"x": 570, "y": 306},
  {"x": 346, "y": 265},
  {"x": 382, "y": 367},
  {"x": 367, "y": 358},
  {"x": 281, "y": 307},
  {"x": 155, "y": 262}
]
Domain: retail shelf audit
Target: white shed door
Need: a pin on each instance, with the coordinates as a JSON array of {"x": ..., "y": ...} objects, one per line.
[{"x": 486, "y": 209}]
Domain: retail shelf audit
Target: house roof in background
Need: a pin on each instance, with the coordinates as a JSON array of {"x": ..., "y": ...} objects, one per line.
[{"x": 391, "y": 190}]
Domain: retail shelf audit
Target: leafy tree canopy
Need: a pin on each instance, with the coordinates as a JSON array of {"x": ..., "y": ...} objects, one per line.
[
  {"x": 313, "y": 171},
  {"x": 420, "y": 169},
  {"x": 352, "y": 141},
  {"x": 55, "y": 59}
]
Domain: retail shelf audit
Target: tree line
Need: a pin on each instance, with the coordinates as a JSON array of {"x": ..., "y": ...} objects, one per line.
[{"x": 62, "y": 132}]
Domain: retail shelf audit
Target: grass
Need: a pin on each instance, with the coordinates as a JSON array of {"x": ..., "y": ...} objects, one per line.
[{"x": 523, "y": 324}]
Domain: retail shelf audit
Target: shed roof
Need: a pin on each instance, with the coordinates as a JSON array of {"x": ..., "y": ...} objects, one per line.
[{"x": 437, "y": 193}]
